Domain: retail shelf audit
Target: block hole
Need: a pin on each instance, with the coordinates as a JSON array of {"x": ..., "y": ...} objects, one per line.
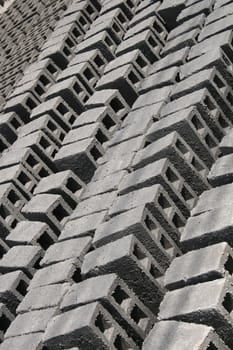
[
  {"x": 4, "y": 323},
  {"x": 228, "y": 303},
  {"x": 45, "y": 241},
  {"x": 60, "y": 213},
  {"x": 229, "y": 265},
  {"x": 22, "y": 287}
]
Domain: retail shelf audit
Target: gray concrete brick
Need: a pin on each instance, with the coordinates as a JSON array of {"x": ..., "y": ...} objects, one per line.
[
  {"x": 118, "y": 15},
  {"x": 94, "y": 57},
  {"x": 144, "y": 226},
  {"x": 158, "y": 202},
  {"x": 177, "y": 58},
  {"x": 34, "y": 69},
  {"x": 126, "y": 79},
  {"x": 127, "y": 8},
  {"x": 164, "y": 173},
  {"x": 89, "y": 330},
  {"x": 26, "y": 342},
  {"x": 213, "y": 262},
  {"x": 180, "y": 155},
  {"x": 206, "y": 106},
  {"x": 173, "y": 334},
  {"x": 145, "y": 41},
  {"x": 81, "y": 227},
  {"x": 110, "y": 98},
  {"x": 195, "y": 22},
  {"x": 80, "y": 157},
  {"x": 214, "y": 58},
  {"x": 200, "y": 7},
  {"x": 30, "y": 322},
  {"x": 152, "y": 98},
  {"x": 117, "y": 298},
  {"x": 221, "y": 172},
  {"x": 190, "y": 125},
  {"x": 25, "y": 258},
  {"x": 60, "y": 53},
  {"x": 13, "y": 289},
  {"x": 187, "y": 39},
  {"x": 48, "y": 125},
  {"x": 75, "y": 32},
  {"x": 101, "y": 41},
  {"x": 72, "y": 91},
  {"x": 144, "y": 13},
  {"x": 135, "y": 57},
  {"x": 217, "y": 27},
  {"x": 94, "y": 204},
  {"x": 213, "y": 310},
  {"x": 219, "y": 13},
  {"x": 22, "y": 105},
  {"x": 31, "y": 233},
  {"x": 160, "y": 79},
  {"x": 61, "y": 251},
  {"x": 208, "y": 228},
  {"x": 212, "y": 199},
  {"x": 43, "y": 298},
  {"x": 108, "y": 184},
  {"x": 9, "y": 125},
  {"x": 133, "y": 263},
  {"x": 222, "y": 40},
  {"x": 48, "y": 208},
  {"x": 65, "y": 183}
]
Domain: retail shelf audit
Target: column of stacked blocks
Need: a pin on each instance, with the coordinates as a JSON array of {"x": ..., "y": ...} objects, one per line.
[{"x": 116, "y": 179}]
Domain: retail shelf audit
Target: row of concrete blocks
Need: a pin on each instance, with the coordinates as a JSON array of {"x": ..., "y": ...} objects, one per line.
[
  {"x": 19, "y": 50},
  {"x": 185, "y": 271}
]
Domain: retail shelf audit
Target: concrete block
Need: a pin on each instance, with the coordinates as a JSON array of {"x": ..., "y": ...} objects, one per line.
[
  {"x": 164, "y": 173},
  {"x": 219, "y": 26},
  {"x": 13, "y": 289},
  {"x": 81, "y": 227},
  {"x": 74, "y": 30},
  {"x": 60, "y": 53},
  {"x": 90, "y": 329},
  {"x": 173, "y": 334},
  {"x": 94, "y": 204},
  {"x": 197, "y": 8},
  {"x": 49, "y": 208},
  {"x": 132, "y": 263},
  {"x": 169, "y": 10},
  {"x": 214, "y": 198},
  {"x": 177, "y": 58},
  {"x": 213, "y": 310},
  {"x": 190, "y": 125},
  {"x": 195, "y": 22},
  {"x": 207, "y": 107},
  {"x": 77, "y": 248},
  {"x": 180, "y": 155},
  {"x": 110, "y": 98},
  {"x": 208, "y": 228},
  {"x": 135, "y": 57},
  {"x": 219, "y": 13},
  {"x": 31, "y": 233},
  {"x": 58, "y": 109},
  {"x": 101, "y": 41},
  {"x": 145, "y": 41},
  {"x": 65, "y": 271},
  {"x": 9, "y": 126},
  {"x": 24, "y": 258},
  {"x": 22, "y": 105},
  {"x": 43, "y": 298},
  {"x": 126, "y": 79},
  {"x": 144, "y": 226},
  {"x": 117, "y": 298},
  {"x": 222, "y": 40},
  {"x": 48, "y": 125},
  {"x": 221, "y": 172},
  {"x": 94, "y": 57},
  {"x": 127, "y": 8},
  {"x": 214, "y": 262},
  {"x": 187, "y": 39},
  {"x": 30, "y": 322},
  {"x": 225, "y": 145},
  {"x": 95, "y": 130},
  {"x": 65, "y": 183},
  {"x": 158, "y": 202},
  {"x": 145, "y": 12},
  {"x": 34, "y": 70},
  {"x": 160, "y": 79},
  {"x": 72, "y": 91},
  {"x": 80, "y": 157}
]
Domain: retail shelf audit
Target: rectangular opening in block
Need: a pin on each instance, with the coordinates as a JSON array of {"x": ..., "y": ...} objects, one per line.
[
  {"x": 4, "y": 323},
  {"x": 30, "y": 103},
  {"x": 121, "y": 297},
  {"x": 22, "y": 287},
  {"x": 60, "y": 213},
  {"x": 211, "y": 346},
  {"x": 121, "y": 344},
  {"x": 98, "y": 61},
  {"x": 139, "y": 317},
  {"x": 95, "y": 153},
  {"x": 228, "y": 302},
  {"x": 45, "y": 241},
  {"x": 73, "y": 186},
  {"x": 104, "y": 325},
  {"x": 141, "y": 256}
]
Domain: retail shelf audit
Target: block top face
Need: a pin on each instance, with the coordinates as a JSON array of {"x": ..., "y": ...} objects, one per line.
[
  {"x": 197, "y": 262},
  {"x": 89, "y": 290},
  {"x": 11, "y": 157},
  {"x": 33, "y": 322},
  {"x": 172, "y": 335},
  {"x": 27, "y": 229},
  {"x": 74, "y": 149},
  {"x": 41, "y": 203},
  {"x": 222, "y": 166},
  {"x": 10, "y": 280},
  {"x": 26, "y": 342},
  {"x": 21, "y": 256},
  {"x": 66, "y": 250},
  {"x": 190, "y": 299},
  {"x": 90, "y": 116},
  {"x": 210, "y": 221}
]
